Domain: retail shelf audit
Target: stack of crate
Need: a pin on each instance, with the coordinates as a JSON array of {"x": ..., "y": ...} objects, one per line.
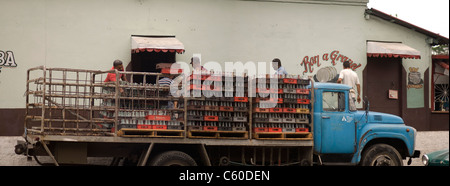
[
  {"x": 143, "y": 108},
  {"x": 219, "y": 108},
  {"x": 282, "y": 112}
]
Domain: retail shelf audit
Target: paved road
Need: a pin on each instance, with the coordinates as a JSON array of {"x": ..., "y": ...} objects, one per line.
[{"x": 426, "y": 142}]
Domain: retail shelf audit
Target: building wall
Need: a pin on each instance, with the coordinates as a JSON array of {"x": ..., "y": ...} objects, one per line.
[{"x": 306, "y": 35}]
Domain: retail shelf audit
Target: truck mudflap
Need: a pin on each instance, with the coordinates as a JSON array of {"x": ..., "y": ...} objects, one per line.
[{"x": 416, "y": 154}]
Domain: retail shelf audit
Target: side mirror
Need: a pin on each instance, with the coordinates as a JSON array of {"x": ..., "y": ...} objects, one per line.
[{"x": 366, "y": 103}]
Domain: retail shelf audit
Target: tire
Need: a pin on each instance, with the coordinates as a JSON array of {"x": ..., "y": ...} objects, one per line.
[
  {"x": 381, "y": 155},
  {"x": 173, "y": 158}
]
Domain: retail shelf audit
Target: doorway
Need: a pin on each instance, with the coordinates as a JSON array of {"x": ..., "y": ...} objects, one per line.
[
  {"x": 146, "y": 62},
  {"x": 380, "y": 76}
]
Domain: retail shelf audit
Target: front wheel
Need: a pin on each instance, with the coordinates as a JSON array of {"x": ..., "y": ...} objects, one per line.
[{"x": 381, "y": 155}]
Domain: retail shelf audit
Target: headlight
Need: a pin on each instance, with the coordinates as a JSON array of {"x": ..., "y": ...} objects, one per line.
[{"x": 425, "y": 159}]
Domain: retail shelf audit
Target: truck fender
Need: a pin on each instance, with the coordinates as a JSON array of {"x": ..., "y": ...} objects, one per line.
[{"x": 370, "y": 136}]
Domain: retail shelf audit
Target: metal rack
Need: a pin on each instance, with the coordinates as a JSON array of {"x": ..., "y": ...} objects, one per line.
[
  {"x": 63, "y": 101},
  {"x": 76, "y": 102}
]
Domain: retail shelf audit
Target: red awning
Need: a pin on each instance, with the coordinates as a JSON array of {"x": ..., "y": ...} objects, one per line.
[
  {"x": 384, "y": 49},
  {"x": 156, "y": 44}
]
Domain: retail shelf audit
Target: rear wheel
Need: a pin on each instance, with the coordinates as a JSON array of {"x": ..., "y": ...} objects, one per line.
[
  {"x": 173, "y": 158},
  {"x": 381, "y": 155}
]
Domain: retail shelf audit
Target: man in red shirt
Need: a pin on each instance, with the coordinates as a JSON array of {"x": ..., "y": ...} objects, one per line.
[{"x": 112, "y": 76}]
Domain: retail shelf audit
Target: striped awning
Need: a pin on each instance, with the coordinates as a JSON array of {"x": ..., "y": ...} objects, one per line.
[
  {"x": 395, "y": 50},
  {"x": 156, "y": 44}
]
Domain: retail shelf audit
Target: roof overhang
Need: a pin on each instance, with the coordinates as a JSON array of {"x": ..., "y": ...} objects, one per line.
[
  {"x": 156, "y": 44},
  {"x": 395, "y": 50},
  {"x": 436, "y": 39}
]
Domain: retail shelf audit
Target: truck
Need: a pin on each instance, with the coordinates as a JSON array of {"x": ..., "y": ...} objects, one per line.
[{"x": 72, "y": 114}]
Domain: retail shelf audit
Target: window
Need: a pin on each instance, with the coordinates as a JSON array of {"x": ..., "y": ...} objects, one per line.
[
  {"x": 440, "y": 83},
  {"x": 333, "y": 101}
]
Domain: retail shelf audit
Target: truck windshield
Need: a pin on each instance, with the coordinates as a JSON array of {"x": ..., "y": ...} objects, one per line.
[{"x": 333, "y": 101}]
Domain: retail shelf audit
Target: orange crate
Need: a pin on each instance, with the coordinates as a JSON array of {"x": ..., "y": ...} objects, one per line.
[
  {"x": 274, "y": 129},
  {"x": 241, "y": 99},
  {"x": 211, "y": 118},
  {"x": 303, "y": 101},
  {"x": 169, "y": 70},
  {"x": 150, "y": 117},
  {"x": 159, "y": 127},
  {"x": 272, "y": 100},
  {"x": 301, "y": 130},
  {"x": 290, "y": 81},
  {"x": 275, "y": 110},
  {"x": 261, "y": 109},
  {"x": 144, "y": 126},
  {"x": 260, "y": 129},
  {"x": 210, "y": 128},
  {"x": 162, "y": 118},
  {"x": 302, "y": 91}
]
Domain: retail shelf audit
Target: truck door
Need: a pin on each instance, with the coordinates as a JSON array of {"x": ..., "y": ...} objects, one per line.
[{"x": 337, "y": 124}]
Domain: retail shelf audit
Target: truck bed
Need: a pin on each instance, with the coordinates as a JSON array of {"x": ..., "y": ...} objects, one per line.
[{"x": 77, "y": 105}]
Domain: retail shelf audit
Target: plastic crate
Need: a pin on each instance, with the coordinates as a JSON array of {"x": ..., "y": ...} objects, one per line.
[
  {"x": 301, "y": 130},
  {"x": 226, "y": 108},
  {"x": 211, "y": 118},
  {"x": 210, "y": 128},
  {"x": 289, "y": 110},
  {"x": 241, "y": 99},
  {"x": 275, "y": 129},
  {"x": 290, "y": 81},
  {"x": 302, "y": 91},
  {"x": 303, "y": 101},
  {"x": 159, "y": 127},
  {"x": 260, "y": 129}
]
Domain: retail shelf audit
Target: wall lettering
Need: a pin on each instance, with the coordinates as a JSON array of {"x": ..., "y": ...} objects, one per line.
[
  {"x": 7, "y": 59},
  {"x": 309, "y": 61}
]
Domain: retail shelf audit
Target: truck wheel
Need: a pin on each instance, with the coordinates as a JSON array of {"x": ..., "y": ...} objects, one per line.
[
  {"x": 381, "y": 155},
  {"x": 173, "y": 158}
]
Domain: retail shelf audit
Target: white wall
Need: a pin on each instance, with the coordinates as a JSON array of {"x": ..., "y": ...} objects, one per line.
[{"x": 92, "y": 34}]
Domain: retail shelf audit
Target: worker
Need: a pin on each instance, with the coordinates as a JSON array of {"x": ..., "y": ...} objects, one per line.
[
  {"x": 350, "y": 78},
  {"x": 276, "y": 64},
  {"x": 117, "y": 64},
  {"x": 196, "y": 65}
]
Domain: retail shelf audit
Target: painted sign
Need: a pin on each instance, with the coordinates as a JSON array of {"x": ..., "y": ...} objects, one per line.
[
  {"x": 7, "y": 59},
  {"x": 415, "y": 90},
  {"x": 393, "y": 94},
  {"x": 309, "y": 61},
  {"x": 414, "y": 78}
]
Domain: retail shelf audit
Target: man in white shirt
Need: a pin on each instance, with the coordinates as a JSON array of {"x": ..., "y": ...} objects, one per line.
[{"x": 350, "y": 78}]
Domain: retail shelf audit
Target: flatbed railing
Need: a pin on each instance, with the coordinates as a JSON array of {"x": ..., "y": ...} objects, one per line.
[{"x": 77, "y": 102}]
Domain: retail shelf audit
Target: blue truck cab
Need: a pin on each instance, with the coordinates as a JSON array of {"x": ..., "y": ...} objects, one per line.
[{"x": 359, "y": 137}]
